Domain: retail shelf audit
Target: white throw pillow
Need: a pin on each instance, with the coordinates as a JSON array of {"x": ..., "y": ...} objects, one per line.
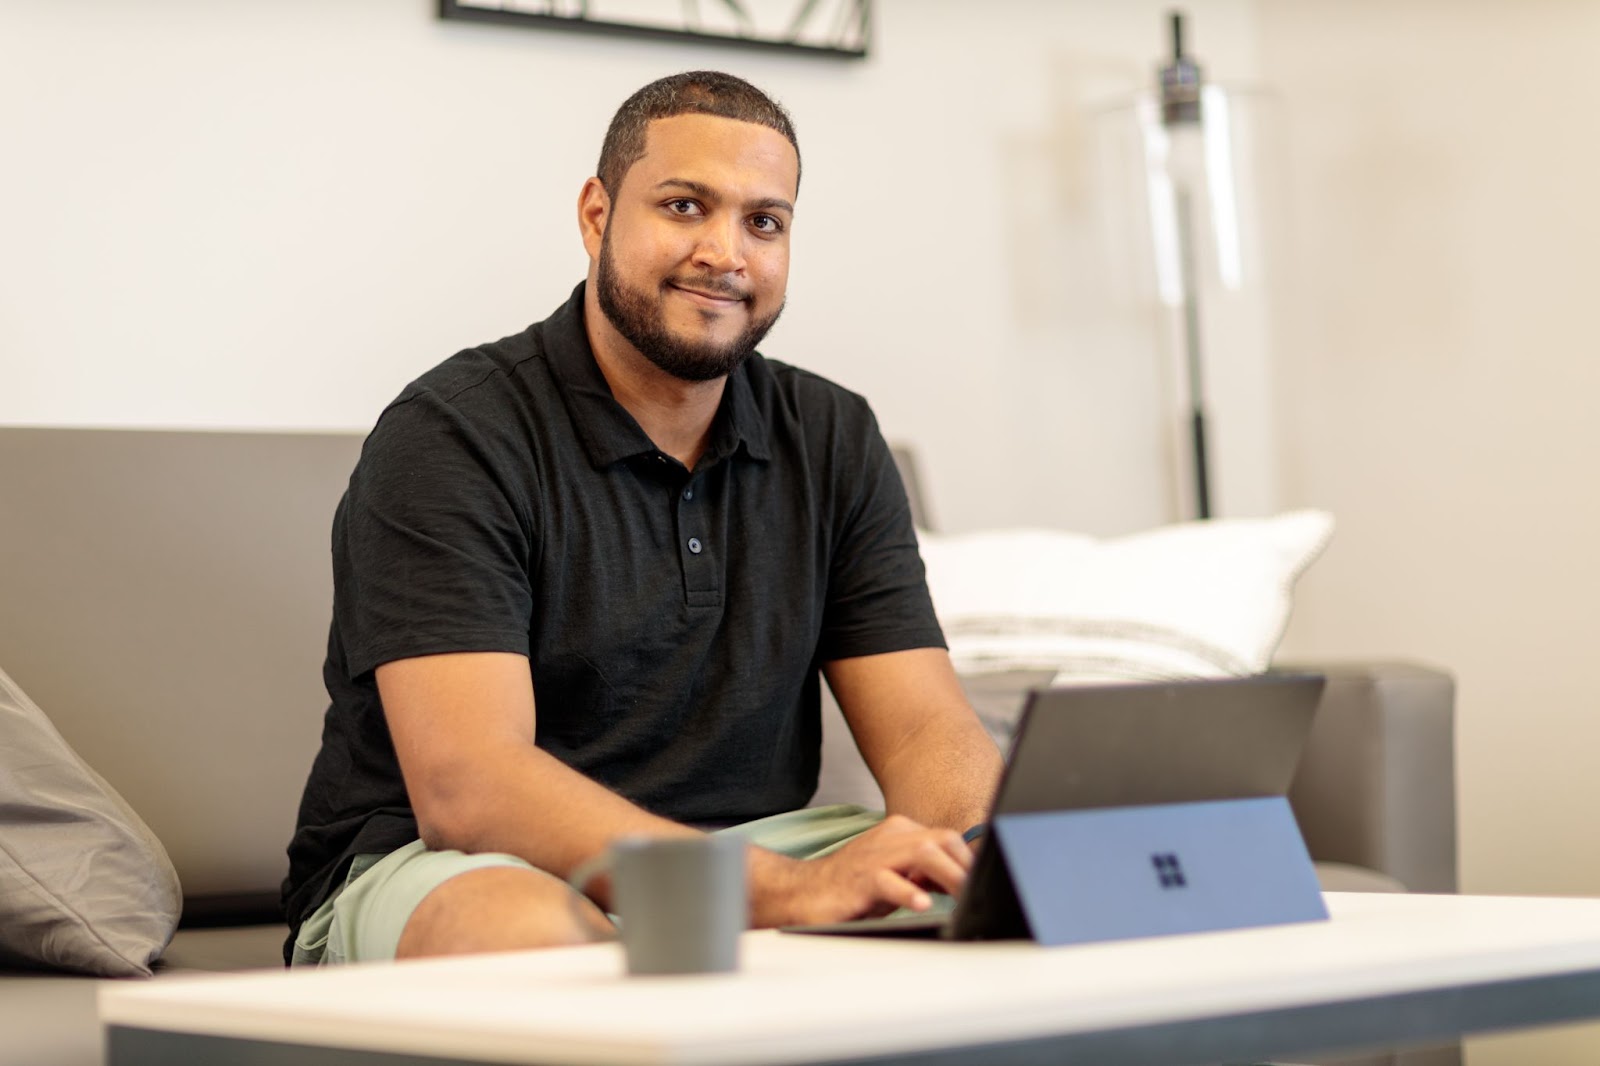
[
  {"x": 1199, "y": 599},
  {"x": 1021, "y": 608}
]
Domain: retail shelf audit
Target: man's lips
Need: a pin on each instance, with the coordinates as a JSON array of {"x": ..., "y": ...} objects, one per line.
[{"x": 709, "y": 297}]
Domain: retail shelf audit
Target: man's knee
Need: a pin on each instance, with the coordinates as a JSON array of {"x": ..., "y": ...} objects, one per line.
[{"x": 500, "y": 908}]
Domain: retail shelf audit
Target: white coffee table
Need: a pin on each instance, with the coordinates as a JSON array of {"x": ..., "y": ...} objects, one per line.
[{"x": 1387, "y": 969}]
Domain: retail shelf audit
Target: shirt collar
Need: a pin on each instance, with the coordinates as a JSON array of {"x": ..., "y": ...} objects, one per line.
[{"x": 608, "y": 432}]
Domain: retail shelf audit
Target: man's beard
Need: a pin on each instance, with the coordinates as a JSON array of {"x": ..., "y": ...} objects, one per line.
[{"x": 639, "y": 319}]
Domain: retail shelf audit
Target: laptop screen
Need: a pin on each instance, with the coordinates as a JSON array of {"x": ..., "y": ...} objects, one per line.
[{"x": 1167, "y": 742}]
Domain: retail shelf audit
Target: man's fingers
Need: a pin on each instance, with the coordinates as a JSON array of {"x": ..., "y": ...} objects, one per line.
[
  {"x": 958, "y": 848},
  {"x": 937, "y": 859},
  {"x": 934, "y": 863},
  {"x": 896, "y": 889},
  {"x": 897, "y": 864}
]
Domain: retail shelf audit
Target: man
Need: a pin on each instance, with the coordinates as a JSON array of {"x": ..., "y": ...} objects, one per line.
[{"x": 585, "y": 578}]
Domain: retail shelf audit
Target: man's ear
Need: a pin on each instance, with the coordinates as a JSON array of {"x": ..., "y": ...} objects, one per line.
[{"x": 594, "y": 208}]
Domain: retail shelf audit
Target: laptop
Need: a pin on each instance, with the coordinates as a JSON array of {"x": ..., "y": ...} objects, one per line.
[{"x": 1138, "y": 809}]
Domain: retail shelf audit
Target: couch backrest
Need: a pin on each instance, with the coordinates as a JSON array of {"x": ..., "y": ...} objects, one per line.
[
  {"x": 164, "y": 597},
  {"x": 906, "y": 460}
]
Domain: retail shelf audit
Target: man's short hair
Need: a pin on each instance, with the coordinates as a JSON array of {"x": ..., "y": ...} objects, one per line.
[{"x": 701, "y": 92}]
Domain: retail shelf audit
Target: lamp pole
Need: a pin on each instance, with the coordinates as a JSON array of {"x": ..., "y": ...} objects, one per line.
[{"x": 1180, "y": 107}]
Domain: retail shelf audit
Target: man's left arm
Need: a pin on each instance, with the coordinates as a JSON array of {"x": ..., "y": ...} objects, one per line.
[{"x": 919, "y": 736}]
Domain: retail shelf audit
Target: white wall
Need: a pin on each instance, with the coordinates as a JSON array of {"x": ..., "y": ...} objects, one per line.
[
  {"x": 1439, "y": 358},
  {"x": 223, "y": 213}
]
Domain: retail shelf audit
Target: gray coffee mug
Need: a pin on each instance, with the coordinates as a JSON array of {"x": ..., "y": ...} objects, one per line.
[{"x": 681, "y": 902}]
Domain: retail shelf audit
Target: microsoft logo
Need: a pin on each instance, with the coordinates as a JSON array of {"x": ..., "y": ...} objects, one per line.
[{"x": 1168, "y": 870}]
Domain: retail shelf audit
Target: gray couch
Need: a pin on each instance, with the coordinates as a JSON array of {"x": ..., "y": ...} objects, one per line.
[{"x": 164, "y": 598}]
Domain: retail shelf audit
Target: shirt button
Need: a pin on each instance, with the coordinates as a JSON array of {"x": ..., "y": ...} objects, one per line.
[
  {"x": 688, "y": 494},
  {"x": 694, "y": 545}
]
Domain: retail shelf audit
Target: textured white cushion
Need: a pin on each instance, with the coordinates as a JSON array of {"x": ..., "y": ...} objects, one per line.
[
  {"x": 84, "y": 885},
  {"x": 1200, "y": 599},
  {"x": 1023, "y": 608}
]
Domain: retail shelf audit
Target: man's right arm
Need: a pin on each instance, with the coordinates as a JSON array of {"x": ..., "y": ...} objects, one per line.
[{"x": 463, "y": 729}]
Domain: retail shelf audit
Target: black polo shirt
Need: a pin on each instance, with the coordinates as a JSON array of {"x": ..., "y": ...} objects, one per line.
[{"x": 674, "y": 620}]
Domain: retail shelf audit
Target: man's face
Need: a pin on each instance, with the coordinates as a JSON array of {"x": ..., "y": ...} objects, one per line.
[{"x": 694, "y": 260}]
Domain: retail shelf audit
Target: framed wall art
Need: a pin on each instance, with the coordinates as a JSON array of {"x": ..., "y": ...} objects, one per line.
[{"x": 838, "y": 28}]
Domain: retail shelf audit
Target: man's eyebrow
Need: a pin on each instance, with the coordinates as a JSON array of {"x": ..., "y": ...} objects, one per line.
[
  {"x": 773, "y": 203},
  {"x": 706, "y": 192}
]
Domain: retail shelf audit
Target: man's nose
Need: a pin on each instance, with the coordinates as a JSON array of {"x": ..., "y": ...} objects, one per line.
[{"x": 721, "y": 246}]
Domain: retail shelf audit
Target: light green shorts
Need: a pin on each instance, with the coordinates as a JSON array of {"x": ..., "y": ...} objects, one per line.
[{"x": 364, "y": 918}]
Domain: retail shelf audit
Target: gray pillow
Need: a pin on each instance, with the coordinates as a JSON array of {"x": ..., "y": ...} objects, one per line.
[{"x": 84, "y": 885}]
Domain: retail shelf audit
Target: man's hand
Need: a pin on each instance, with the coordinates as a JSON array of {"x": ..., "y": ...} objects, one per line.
[{"x": 892, "y": 865}]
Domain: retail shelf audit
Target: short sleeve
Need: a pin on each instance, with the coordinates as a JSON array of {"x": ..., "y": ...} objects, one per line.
[
  {"x": 433, "y": 541},
  {"x": 878, "y": 598}
]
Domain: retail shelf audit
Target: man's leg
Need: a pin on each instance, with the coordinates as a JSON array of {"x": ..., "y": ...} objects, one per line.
[
  {"x": 415, "y": 902},
  {"x": 500, "y": 908}
]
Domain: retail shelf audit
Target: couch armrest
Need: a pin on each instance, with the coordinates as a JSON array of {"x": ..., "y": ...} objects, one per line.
[{"x": 1376, "y": 785}]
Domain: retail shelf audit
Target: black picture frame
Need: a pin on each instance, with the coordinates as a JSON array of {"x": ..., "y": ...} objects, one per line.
[{"x": 849, "y": 37}]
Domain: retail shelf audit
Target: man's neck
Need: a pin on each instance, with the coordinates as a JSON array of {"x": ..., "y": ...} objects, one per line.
[{"x": 675, "y": 414}]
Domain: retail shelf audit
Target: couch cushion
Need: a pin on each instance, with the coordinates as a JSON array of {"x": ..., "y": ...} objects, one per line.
[
  {"x": 1343, "y": 877},
  {"x": 49, "y": 1020},
  {"x": 242, "y": 947},
  {"x": 84, "y": 885}
]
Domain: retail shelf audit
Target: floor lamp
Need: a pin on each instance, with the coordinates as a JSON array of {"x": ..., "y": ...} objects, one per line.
[{"x": 1199, "y": 164}]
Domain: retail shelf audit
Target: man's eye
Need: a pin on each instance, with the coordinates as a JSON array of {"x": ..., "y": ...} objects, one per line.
[
  {"x": 766, "y": 224},
  {"x": 682, "y": 207}
]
